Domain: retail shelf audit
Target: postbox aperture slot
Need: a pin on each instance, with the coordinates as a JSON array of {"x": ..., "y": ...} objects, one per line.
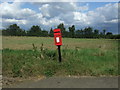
[
  {"x": 57, "y": 35},
  {"x": 57, "y": 32}
]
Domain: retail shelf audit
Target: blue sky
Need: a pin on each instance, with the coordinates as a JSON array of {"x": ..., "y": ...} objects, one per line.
[{"x": 99, "y": 15}]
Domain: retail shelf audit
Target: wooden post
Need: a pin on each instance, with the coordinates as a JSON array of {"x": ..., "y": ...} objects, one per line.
[{"x": 59, "y": 52}]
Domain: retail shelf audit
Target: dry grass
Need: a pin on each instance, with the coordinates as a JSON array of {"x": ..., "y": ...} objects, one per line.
[{"x": 48, "y": 42}]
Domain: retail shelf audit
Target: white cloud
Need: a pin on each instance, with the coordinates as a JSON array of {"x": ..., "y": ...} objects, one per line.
[
  {"x": 44, "y": 10},
  {"x": 80, "y": 17},
  {"x": 80, "y": 7},
  {"x": 100, "y": 17},
  {"x": 15, "y": 21},
  {"x": 53, "y": 21},
  {"x": 53, "y": 13},
  {"x": 7, "y": 9},
  {"x": 109, "y": 11},
  {"x": 64, "y": 11},
  {"x": 26, "y": 12},
  {"x": 55, "y": 9},
  {"x": 105, "y": 17},
  {"x": 15, "y": 11},
  {"x": 112, "y": 21}
]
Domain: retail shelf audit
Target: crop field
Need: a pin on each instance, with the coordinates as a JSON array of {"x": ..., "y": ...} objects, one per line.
[{"x": 37, "y": 56}]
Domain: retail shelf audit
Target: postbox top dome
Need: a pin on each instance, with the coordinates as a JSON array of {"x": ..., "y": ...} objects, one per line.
[{"x": 57, "y": 30}]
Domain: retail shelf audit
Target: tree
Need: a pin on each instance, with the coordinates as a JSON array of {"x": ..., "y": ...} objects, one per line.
[
  {"x": 79, "y": 33},
  {"x": 72, "y": 31},
  {"x": 104, "y": 32},
  {"x": 5, "y": 32},
  {"x": 88, "y": 32},
  {"x": 44, "y": 33},
  {"x": 64, "y": 32},
  {"x": 96, "y": 33},
  {"x": 35, "y": 31},
  {"x": 51, "y": 33},
  {"x": 117, "y": 36},
  {"x": 101, "y": 35},
  {"x": 109, "y": 35},
  {"x": 13, "y": 30}
]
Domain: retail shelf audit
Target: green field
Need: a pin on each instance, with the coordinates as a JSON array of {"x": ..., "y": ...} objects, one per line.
[
  {"x": 22, "y": 43},
  {"x": 81, "y": 57}
]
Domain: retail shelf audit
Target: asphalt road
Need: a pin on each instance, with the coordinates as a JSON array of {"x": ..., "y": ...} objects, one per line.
[{"x": 70, "y": 82}]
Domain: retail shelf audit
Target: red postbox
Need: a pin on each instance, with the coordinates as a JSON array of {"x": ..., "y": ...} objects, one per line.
[{"x": 57, "y": 37}]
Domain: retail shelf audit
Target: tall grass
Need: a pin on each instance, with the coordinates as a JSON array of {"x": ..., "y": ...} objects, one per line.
[{"x": 41, "y": 61}]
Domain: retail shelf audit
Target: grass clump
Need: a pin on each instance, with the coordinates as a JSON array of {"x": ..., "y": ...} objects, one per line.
[{"x": 78, "y": 62}]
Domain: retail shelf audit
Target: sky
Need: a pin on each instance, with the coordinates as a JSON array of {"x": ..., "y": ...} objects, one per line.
[{"x": 99, "y": 15}]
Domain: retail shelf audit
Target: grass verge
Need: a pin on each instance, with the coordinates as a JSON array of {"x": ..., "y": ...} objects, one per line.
[{"x": 44, "y": 62}]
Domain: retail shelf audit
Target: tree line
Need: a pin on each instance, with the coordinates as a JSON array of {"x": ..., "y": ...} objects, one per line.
[{"x": 35, "y": 30}]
